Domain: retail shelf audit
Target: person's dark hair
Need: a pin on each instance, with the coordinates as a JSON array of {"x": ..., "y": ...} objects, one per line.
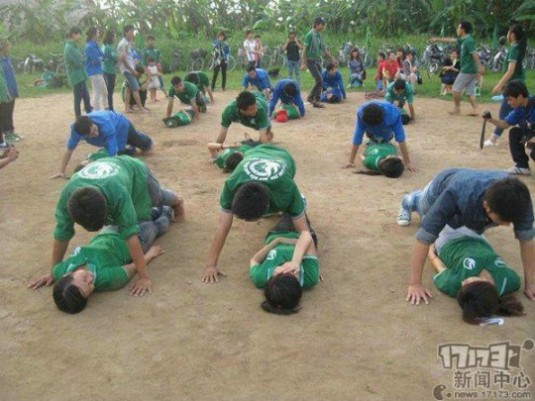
[
  {"x": 247, "y": 32},
  {"x": 175, "y": 80},
  {"x": 150, "y": 59},
  {"x": 402, "y": 50},
  {"x": 383, "y": 55},
  {"x": 67, "y": 296},
  {"x": 250, "y": 68},
  {"x": 245, "y": 99},
  {"x": 399, "y": 84},
  {"x": 257, "y": 36},
  {"x": 330, "y": 66},
  {"x": 356, "y": 51},
  {"x": 139, "y": 69},
  {"x": 509, "y": 198},
  {"x": 221, "y": 33},
  {"x": 290, "y": 89},
  {"x": 515, "y": 88},
  {"x": 74, "y": 31},
  {"x": 391, "y": 167},
  {"x": 192, "y": 77},
  {"x": 522, "y": 39},
  {"x": 283, "y": 293},
  {"x": 87, "y": 206},
  {"x": 466, "y": 26},
  {"x": 91, "y": 33},
  {"x": 127, "y": 29},
  {"x": 372, "y": 114},
  {"x": 109, "y": 37},
  {"x": 292, "y": 33},
  {"x": 232, "y": 161},
  {"x": 83, "y": 125},
  {"x": 150, "y": 37},
  {"x": 251, "y": 201},
  {"x": 480, "y": 300}
]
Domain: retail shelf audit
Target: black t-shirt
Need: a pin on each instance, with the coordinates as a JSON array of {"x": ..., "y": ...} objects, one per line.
[{"x": 292, "y": 51}]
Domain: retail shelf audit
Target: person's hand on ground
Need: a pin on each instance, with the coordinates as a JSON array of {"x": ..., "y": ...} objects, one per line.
[
  {"x": 529, "y": 291},
  {"x": 11, "y": 154},
  {"x": 141, "y": 287},
  {"x": 411, "y": 167},
  {"x": 46, "y": 280},
  {"x": 348, "y": 165},
  {"x": 417, "y": 293},
  {"x": 58, "y": 175},
  {"x": 211, "y": 275}
]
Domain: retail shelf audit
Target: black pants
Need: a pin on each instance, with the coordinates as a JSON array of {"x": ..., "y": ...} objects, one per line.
[
  {"x": 285, "y": 224},
  {"x": 81, "y": 94},
  {"x": 6, "y": 116},
  {"x": 223, "y": 67},
  {"x": 314, "y": 66},
  {"x": 517, "y": 148},
  {"x": 110, "y": 86}
]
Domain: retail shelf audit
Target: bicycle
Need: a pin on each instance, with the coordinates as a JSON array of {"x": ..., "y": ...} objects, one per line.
[
  {"x": 231, "y": 63},
  {"x": 33, "y": 63},
  {"x": 196, "y": 59},
  {"x": 176, "y": 61},
  {"x": 55, "y": 63}
]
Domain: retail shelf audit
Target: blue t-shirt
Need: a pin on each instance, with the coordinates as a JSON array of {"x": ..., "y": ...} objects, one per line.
[
  {"x": 334, "y": 81},
  {"x": 522, "y": 116},
  {"x": 9, "y": 75},
  {"x": 261, "y": 81},
  {"x": 113, "y": 132},
  {"x": 278, "y": 93},
  {"x": 94, "y": 57},
  {"x": 390, "y": 126}
]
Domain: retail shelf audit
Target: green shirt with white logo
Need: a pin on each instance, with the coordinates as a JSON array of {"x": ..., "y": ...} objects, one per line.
[
  {"x": 221, "y": 158},
  {"x": 259, "y": 121},
  {"x": 187, "y": 95},
  {"x": 466, "y": 257},
  {"x": 468, "y": 47},
  {"x": 123, "y": 181},
  {"x": 406, "y": 96},
  {"x": 273, "y": 167},
  {"x": 105, "y": 257},
  {"x": 376, "y": 152},
  {"x": 309, "y": 271}
]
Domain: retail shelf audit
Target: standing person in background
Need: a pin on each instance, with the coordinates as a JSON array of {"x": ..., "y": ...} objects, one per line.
[
  {"x": 249, "y": 45},
  {"x": 4, "y": 100},
  {"x": 390, "y": 69},
  {"x": 311, "y": 58},
  {"x": 109, "y": 66},
  {"x": 74, "y": 64},
  {"x": 221, "y": 55},
  {"x": 292, "y": 47},
  {"x": 93, "y": 67},
  {"x": 7, "y": 108},
  {"x": 513, "y": 70},
  {"x": 151, "y": 52},
  {"x": 127, "y": 66},
  {"x": 259, "y": 51}
]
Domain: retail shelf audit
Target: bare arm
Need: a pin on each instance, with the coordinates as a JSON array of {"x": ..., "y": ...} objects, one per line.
[
  {"x": 211, "y": 273},
  {"x": 417, "y": 291},
  {"x": 498, "y": 123},
  {"x": 435, "y": 260},
  {"x": 210, "y": 94},
  {"x": 411, "y": 110},
  {"x": 506, "y": 77},
  {"x": 263, "y": 135},
  {"x": 151, "y": 254},
  {"x": 222, "y": 135},
  {"x": 354, "y": 150},
  {"x": 480, "y": 67},
  {"x": 170, "y": 106},
  {"x": 195, "y": 108},
  {"x": 406, "y": 158},
  {"x": 261, "y": 255},
  {"x": 214, "y": 147},
  {"x": 143, "y": 283},
  {"x": 63, "y": 167},
  {"x": 527, "y": 253}
]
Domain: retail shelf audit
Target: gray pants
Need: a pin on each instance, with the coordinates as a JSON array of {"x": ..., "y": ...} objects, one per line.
[
  {"x": 447, "y": 234},
  {"x": 314, "y": 66},
  {"x": 158, "y": 195}
]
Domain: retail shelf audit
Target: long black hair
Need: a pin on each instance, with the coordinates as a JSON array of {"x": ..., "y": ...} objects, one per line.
[
  {"x": 283, "y": 293},
  {"x": 522, "y": 40}
]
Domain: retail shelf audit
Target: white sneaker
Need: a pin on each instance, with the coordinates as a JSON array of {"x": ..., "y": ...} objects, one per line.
[
  {"x": 404, "y": 216},
  {"x": 519, "y": 170},
  {"x": 488, "y": 143}
]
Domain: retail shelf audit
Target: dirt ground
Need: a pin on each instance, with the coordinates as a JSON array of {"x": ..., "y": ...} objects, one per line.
[{"x": 354, "y": 339}]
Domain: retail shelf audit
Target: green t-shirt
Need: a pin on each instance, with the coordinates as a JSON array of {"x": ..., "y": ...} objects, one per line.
[
  {"x": 314, "y": 45},
  {"x": 150, "y": 52},
  {"x": 221, "y": 158},
  {"x": 512, "y": 56},
  {"x": 74, "y": 63},
  {"x": 202, "y": 79},
  {"x": 123, "y": 181},
  {"x": 292, "y": 110},
  {"x": 105, "y": 257},
  {"x": 376, "y": 152},
  {"x": 99, "y": 154},
  {"x": 467, "y": 257},
  {"x": 187, "y": 95},
  {"x": 273, "y": 167},
  {"x": 309, "y": 271},
  {"x": 109, "y": 64},
  {"x": 259, "y": 121},
  {"x": 468, "y": 47},
  {"x": 406, "y": 96}
]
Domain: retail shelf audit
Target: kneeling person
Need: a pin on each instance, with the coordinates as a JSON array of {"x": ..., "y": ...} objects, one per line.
[
  {"x": 398, "y": 93},
  {"x": 188, "y": 94},
  {"x": 289, "y": 94}
]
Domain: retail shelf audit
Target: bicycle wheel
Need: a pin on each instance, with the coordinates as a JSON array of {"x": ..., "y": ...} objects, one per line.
[
  {"x": 266, "y": 61},
  {"x": 231, "y": 64},
  {"x": 196, "y": 64}
]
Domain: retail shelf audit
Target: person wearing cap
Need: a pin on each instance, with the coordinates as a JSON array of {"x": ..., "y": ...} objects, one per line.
[
  {"x": 311, "y": 59},
  {"x": 288, "y": 92}
]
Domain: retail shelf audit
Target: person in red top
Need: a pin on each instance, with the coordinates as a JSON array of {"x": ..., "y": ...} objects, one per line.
[
  {"x": 390, "y": 69},
  {"x": 379, "y": 74}
]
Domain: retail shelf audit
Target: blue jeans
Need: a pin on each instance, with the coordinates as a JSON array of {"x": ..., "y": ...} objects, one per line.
[
  {"x": 505, "y": 109},
  {"x": 138, "y": 139},
  {"x": 150, "y": 230},
  {"x": 294, "y": 69},
  {"x": 81, "y": 93}
]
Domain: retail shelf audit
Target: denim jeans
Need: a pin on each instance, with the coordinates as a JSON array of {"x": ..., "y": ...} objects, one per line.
[
  {"x": 81, "y": 94},
  {"x": 138, "y": 139},
  {"x": 505, "y": 109},
  {"x": 150, "y": 230},
  {"x": 294, "y": 69},
  {"x": 110, "y": 85},
  {"x": 314, "y": 66},
  {"x": 517, "y": 148}
]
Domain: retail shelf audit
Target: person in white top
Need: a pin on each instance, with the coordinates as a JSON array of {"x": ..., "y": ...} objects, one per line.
[{"x": 249, "y": 45}]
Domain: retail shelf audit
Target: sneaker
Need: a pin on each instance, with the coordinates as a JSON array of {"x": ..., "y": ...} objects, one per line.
[
  {"x": 519, "y": 170},
  {"x": 488, "y": 143},
  {"x": 12, "y": 137},
  {"x": 4, "y": 145},
  {"x": 404, "y": 215}
]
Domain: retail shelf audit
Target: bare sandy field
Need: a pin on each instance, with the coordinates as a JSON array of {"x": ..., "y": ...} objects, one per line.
[{"x": 354, "y": 339}]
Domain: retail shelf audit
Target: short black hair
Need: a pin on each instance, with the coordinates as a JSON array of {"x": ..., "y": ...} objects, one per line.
[
  {"x": 175, "y": 80},
  {"x": 232, "y": 161},
  {"x": 509, "y": 198},
  {"x": 515, "y": 88},
  {"x": 150, "y": 37},
  {"x": 382, "y": 54},
  {"x": 109, "y": 36},
  {"x": 139, "y": 69},
  {"x": 127, "y": 29},
  {"x": 74, "y": 31},
  {"x": 250, "y": 68},
  {"x": 283, "y": 293},
  {"x": 290, "y": 89},
  {"x": 83, "y": 125},
  {"x": 399, "y": 84},
  {"x": 391, "y": 167},
  {"x": 192, "y": 77},
  {"x": 245, "y": 100},
  {"x": 251, "y": 201},
  {"x": 330, "y": 66},
  {"x": 466, "y": 26},
  {"x": 91, "y": 32},
  {"x": 87, "y": 206},
  {"x": 67, "y": 296},
  {"x": 372, "y": 114}
]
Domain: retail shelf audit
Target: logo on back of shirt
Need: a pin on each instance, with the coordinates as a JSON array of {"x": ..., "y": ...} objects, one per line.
[
  {"x": 469, "y": 263},
  {"x": 99, "y": 170},
  {"x": 499, "y": 262},
  {"x": 263, "y": 169}
]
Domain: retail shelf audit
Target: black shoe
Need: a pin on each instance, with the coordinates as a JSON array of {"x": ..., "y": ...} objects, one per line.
[{"x": 318, "y": 105}]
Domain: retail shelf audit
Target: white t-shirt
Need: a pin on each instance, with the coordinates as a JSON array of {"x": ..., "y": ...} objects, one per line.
[
  {"x": 154, "y": 82},
  {"x": 249, "y": 46},
  {"x": 125, "y": 47}
]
